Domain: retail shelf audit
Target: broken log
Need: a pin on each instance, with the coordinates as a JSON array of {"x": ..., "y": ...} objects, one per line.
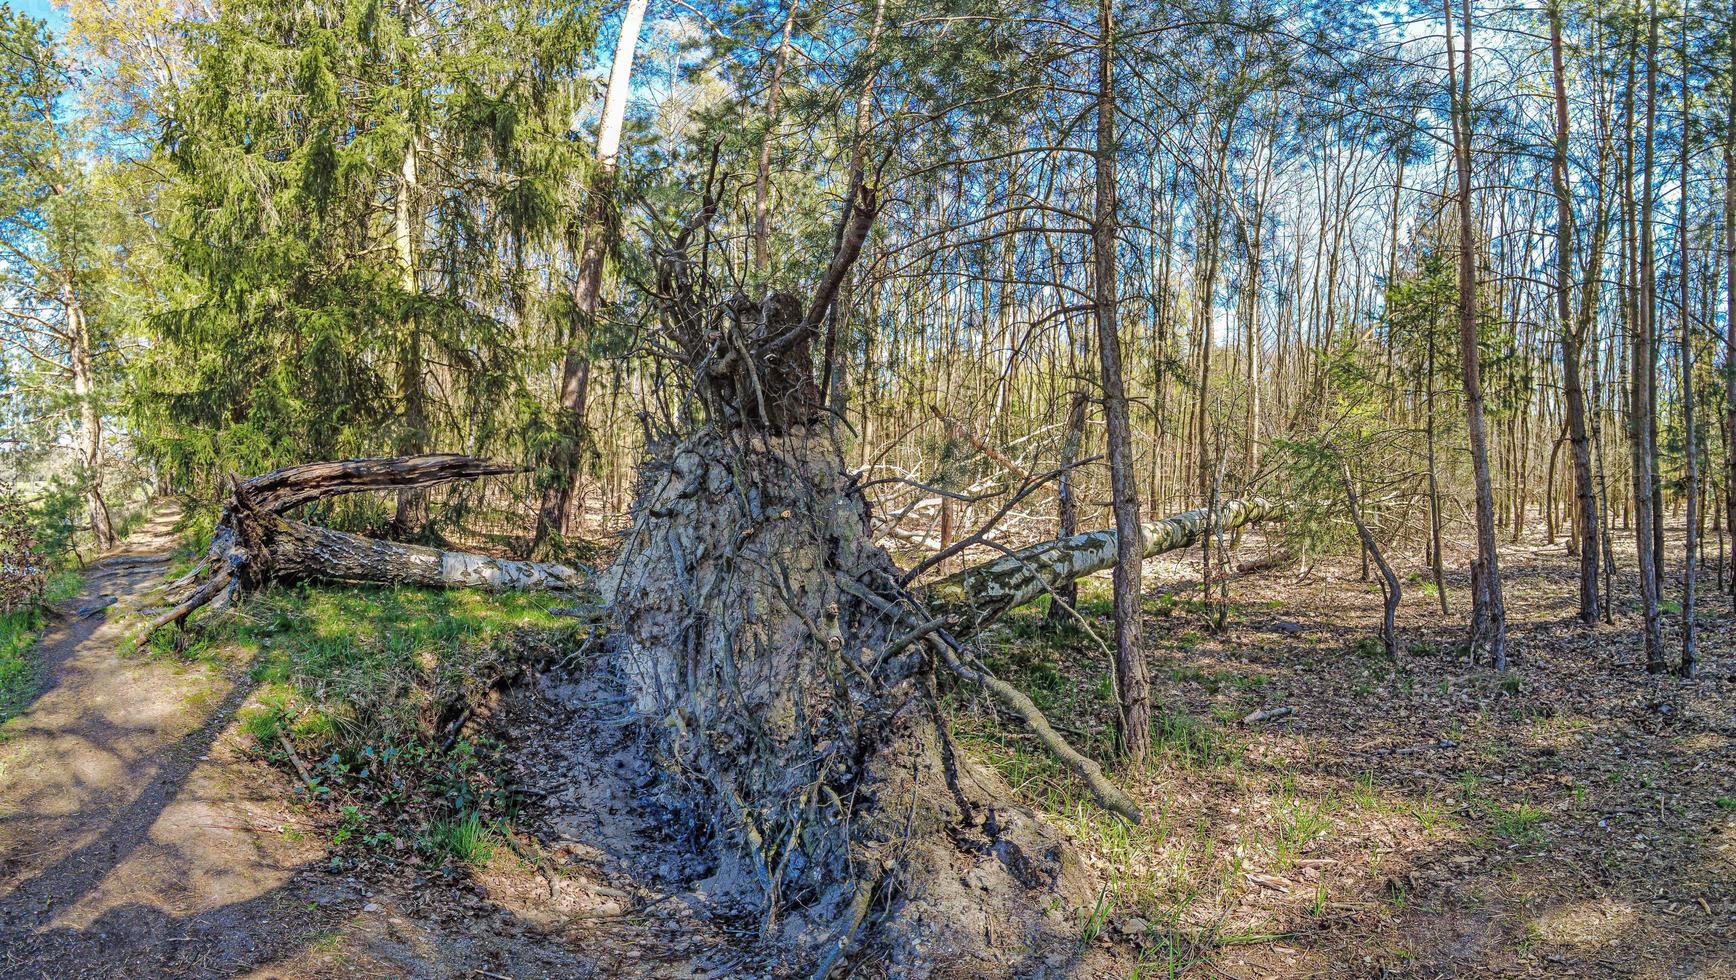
[
  {"x": 280, "y": 491},
  {"x": 254, "y": 543},
  {"x": 977, "y": 596}
]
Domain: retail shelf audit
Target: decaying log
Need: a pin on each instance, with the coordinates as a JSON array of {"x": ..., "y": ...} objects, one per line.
[
  {"x": 253, "y": 542},
  {"x": 306, "y": 551},
  {"x": 977, "y": 596},
  {"x": 282, "y": 490}
]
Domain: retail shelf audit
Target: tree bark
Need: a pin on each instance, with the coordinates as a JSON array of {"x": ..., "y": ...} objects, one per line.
[
  {"x": 1730, "y": 299},
  {"x": 253, "y": 542},
  {"x": 90, "y": 448},
  {"x": 763, "y": 177},
  {"x": 1642, "y": 401},
  {"x": 1691, "y": 451},
  {"x": 972, "y": 599},
  {"x": 1585, "y": 523},
  {"x": 411, "y": 515},
  {"x": 1390, "y": 589},
  {"x": 1066, "y": 596}
]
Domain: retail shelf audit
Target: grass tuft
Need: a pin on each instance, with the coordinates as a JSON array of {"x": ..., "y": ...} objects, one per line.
[{"x": 466, "y": 839}]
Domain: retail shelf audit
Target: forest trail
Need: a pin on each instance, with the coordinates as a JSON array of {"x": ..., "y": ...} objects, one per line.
[
  {"x": 138, "y": 837},
  {"x": 128, "y": 843}
]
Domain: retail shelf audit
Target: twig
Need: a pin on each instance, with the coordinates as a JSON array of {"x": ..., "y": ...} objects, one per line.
[
  {"x": 300, "y": 767},
  {"x": 898, "y": 645},
  {"x": 1267, "y": 714}
]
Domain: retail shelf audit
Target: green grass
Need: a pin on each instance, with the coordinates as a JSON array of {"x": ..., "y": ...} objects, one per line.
[
  {"x": 367, "y": 685},
  {"x": 19, "y": 631},
  {"x": 1192, "y": 742},
  {"x": 1519, "y": 822},
  {"x": 1215, "y": 681},
  {"x": 361, "y": 665},
  {"x": 464, "y": 840}
]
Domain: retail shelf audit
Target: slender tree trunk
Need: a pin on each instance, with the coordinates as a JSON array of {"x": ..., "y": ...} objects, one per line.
[
  {"x": 1730, "y": 300},
  {"x": 763, "y": 177},
  {"x": 1488, "y": 612},
  {"x": 1585, "y": 524},
  {"x": 554, "y": 517},
  {"x": 1643, "y": 401},
  {"x": 1390, "y": 588},
  {"x": 83, "y": 371},
  {"x": 1132, "y": 682},
  {"x": 412, "y": 509},
  {"x": 1691, "y": 476},
  {"x": 1437, "y": 564},
  {"x": 1066, "y": 505}
]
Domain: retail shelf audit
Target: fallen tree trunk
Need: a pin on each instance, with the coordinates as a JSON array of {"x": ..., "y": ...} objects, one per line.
[
  {"x": 254, "y": 543},
  {"x": 972, "y": 599}
]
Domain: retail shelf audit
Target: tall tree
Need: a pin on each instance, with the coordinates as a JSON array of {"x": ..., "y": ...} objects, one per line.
[
  {"x": 1572, "y": 331},
  {"x": 596, "y": 238},
  {"x": 1488, "y": 606},
  {"x": 1132, "y": 681},
  {"x": 51, "y": 256},
  {"x": 1730, "y": 286},
  {"x": 1642, "y": 407},
  {"x": 1685, "y": 353}
]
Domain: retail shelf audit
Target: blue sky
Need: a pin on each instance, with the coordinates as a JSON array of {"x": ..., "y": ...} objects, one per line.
[{"x": 41, "y": 10}]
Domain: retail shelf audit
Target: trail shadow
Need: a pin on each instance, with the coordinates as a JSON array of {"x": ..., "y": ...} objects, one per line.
[
  {"x": 62, "y": 640},
  {"x": 34, "y": 901}
]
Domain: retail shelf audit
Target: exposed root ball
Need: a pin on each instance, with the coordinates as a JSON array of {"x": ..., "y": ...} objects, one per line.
[{"x": 754, "y": 618}]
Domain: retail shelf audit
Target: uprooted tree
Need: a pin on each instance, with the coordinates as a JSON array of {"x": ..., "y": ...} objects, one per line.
[
  {"x": 786, "y": 674},
  {"x": 782, "y": 670}
]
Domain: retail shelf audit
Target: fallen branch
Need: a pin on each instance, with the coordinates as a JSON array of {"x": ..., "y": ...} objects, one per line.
[
  {"x": 254, "y": 543},
  {"x": 1268, "y": 714},
  {"x": 300, "y": 767},
  {"x": 979, "y": 595},
  {"x": 1107, "y": 794}
]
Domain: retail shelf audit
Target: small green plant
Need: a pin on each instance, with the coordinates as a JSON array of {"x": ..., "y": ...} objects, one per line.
[
  {"x": 1363, "y": 793},
  {"x": 465, "y": 840},
  {"x": 1725, "y": 803},
  {"x": 1519, "y": 822},
  {"x": 1098, "y": 917},
  {"x": 351, "y": 822},
  {"x": 19, "y": 630},
  {"x": 1369, "y": 648},
  {"x": 1193, "y": 742}
]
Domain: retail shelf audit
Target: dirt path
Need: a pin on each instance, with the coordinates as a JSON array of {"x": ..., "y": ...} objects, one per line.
[
  {"x": 139, "y": 839},
  {"x": 128, "y": 846}
]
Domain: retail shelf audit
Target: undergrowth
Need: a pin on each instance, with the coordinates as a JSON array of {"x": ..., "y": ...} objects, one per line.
[{"x": 372, "y": 689}]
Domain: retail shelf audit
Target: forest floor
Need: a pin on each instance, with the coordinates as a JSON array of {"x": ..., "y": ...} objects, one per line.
[
  {"x": 140, "y": 836},
  {"x": 1416, "y": 817}
]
